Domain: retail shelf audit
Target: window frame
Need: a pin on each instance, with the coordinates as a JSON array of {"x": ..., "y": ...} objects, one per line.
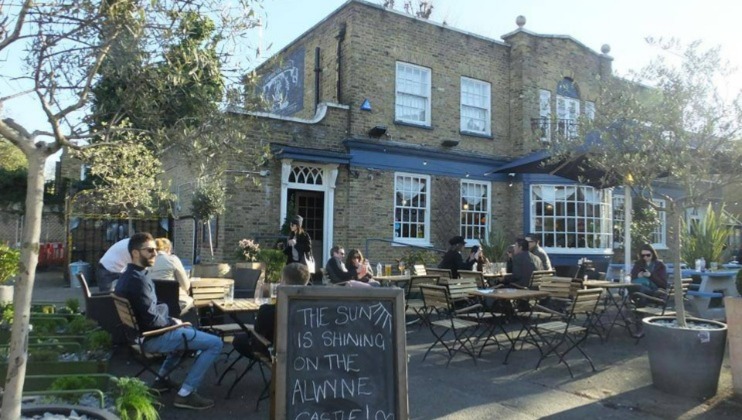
[
  {"x": 425, "y": 240},
  {"x": 427, "y": 97},
  {"x": 487, "y": 131},
  {"x": 485, "y": 211},
  {"x": 575, "y": 226},
  {"x": 618, "y": 223}
]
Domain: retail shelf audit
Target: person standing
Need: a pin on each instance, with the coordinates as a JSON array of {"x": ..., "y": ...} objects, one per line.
[
  {"x": 452, "y": 259},
  {"x": 535, "y": 248},
  {"x": 135, "y": 286},
  {"x": 298, "y": 248},
  {"x": 112, "y": 264}
]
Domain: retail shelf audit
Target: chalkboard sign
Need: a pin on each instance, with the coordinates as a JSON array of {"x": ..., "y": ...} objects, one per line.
[{"x": 340, "y": 354}]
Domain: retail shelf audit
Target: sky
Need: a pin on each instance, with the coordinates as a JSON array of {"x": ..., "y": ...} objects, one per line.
[{"x": 623, "y": 25}]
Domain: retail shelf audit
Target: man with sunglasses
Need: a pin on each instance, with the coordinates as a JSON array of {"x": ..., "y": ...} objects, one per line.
[{"x": 139, "y": 290}]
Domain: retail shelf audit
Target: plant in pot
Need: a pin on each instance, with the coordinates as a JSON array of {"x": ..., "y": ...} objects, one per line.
[
  {"x": 274, "y": 260},
  {"x": 9, "y": 259},
  {"x": 494, "y": 247},
  {"x": 675, "y": 160},
  {"x": 209, "y": 200},
  {"x": 135, "y": 400}
]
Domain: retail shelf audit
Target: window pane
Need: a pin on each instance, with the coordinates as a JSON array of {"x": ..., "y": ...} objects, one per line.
[
  {"x": 411, "y": 207},
  {"x": 412, "y": 93},
  {"x": 475, "y": 106},
  {"x": 474, "y": 208},
  {"x": 571, "y": 216}
]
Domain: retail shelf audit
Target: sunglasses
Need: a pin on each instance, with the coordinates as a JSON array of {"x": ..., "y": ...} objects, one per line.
[
  {"x": 646, "y": 255},
  {"x": 150, "y": 250}
]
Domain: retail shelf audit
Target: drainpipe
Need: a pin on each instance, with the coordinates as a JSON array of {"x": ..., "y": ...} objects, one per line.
[
  {"x": 340, "y": 37},
  {"x": 317, "y": 71}
]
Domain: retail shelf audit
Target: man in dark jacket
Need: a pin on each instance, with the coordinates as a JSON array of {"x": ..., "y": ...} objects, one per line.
[
  {"x": 524, "y": 264},
  {"x": 453, "y": 260},
  {"x": 336, "y": 270},
  {"x": 138, "y": 289}
]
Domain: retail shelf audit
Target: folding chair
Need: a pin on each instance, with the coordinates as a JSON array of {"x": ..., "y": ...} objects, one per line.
[
  {"x": 473, "y": 275},
  {"x": 254, "y": 358},
  {"x": 136, "y": 338},
  {"x": 99, "y": 307},
  {"x": 569, "y": 329},
  {"x": 438, "y": 300},
  {"x": 656, "y": 305},
  {"x": 413, "y": 299},
  {"x": 203, "y": 292}
]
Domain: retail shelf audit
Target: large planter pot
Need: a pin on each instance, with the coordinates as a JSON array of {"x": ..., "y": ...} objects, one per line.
[
  {"x": 92, "y": 413},
  {"x": 212, "y": 270},
  {"x": 733, "y": 307},
  {"x": 685, "y": 361}
]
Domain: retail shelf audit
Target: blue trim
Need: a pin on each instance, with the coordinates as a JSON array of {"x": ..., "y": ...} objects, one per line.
[
  {"x": 283, "y": 151},
  {"x": 392, "y": 156}
]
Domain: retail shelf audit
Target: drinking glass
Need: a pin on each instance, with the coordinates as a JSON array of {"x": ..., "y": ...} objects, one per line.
[
  {"x": 387, "y": 269},
  {"x": 714, "y": 266},
  {"x": 401, "y": 266},
  {"x": 274, "y": 292},
  {"x": 229, "y": 295}
]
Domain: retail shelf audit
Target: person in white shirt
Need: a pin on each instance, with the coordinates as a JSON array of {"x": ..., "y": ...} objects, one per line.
[
  {"x": 168, "y": 267},
  {"x": 112, "y": 264}
]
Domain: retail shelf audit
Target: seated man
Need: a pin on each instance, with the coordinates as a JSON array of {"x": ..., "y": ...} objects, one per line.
[
  {"x": 293, "y": 274},
  {"x": 453, "y": 260},
  {"x": 336, "y": 270},
  {"x": 138, "y": 289},
  {"x": 524, "y": 264}
]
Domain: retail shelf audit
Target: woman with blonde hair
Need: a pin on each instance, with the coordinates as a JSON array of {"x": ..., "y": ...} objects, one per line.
[{"x": 168, "y": 267}]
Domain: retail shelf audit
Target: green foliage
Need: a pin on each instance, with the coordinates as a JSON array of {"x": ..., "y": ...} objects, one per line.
[
  {"x": 69, "y": 383},
  {"x": 274, "y": 260},
  {"x": 644, "y": 222},
  {"x": 209, "y": 200},
  {"x": 7, "y": 314},
  {"x": 13, "y": 185},
  {"x": 9, "y": 263},
  {"x": 414, "y": 256},
  {"x": 43, "y": 355},
  {"x": 99, "y": 341},
  {"x": 135, "y": 401},
  {"x": 73, "y": 304},
  {"x": 495, "y": 245},
  {"x": 81, "y": 325},
  {"x": 706, "y": 238},
  {"x": 11, "y": 159},
  {"x": 48, "y": 325}
]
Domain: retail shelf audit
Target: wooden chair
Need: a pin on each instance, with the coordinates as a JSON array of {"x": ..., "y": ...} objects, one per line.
[
  {"x": 413, "y": 298},
  {"x": 537, "y": 277},
  {"x": 258, "y": 358},
  {"x": 443, "y": 274},
  {"x": 136, "y": 337},
  {"x": 654, "y": 306},
  {"x": 203, "y": 292},
  {"x": 438, "y": 300},
  {"x": 475, "y": 275},
  {"x": 569, "y": 328}
]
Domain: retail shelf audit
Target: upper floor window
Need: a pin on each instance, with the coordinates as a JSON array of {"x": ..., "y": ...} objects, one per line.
[
  {"x": 412, "y": 102},
  {"x": 475, "y": 204},
  {"x": 475, "y": 106},
  {"x": 412, "y": 208},
  {"x": 567, "y": 108},
  {"x": 571, "y": 216}
]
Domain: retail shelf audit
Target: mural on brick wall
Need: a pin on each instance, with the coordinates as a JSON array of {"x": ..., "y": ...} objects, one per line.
[{"x": 283, "y": 89}]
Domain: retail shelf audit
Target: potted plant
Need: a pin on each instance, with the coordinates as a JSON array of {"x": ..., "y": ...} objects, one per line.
[
  {"x": 135, "y": 400},
  {"x": 733, "y": 305},
  {"x": 208, "y": 202},
  {"x": 274, "y": 260},
  {"x": 9, "y": 259},
  {"x": 494, "y": 247}
]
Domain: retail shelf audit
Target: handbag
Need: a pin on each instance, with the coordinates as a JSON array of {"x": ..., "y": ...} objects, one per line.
[{"x": 309, "y": 261}]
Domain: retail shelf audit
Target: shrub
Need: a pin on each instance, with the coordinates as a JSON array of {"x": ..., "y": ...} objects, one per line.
[
  {"x": 135, "y": 401},
  {"x": 9, "y": 260}
]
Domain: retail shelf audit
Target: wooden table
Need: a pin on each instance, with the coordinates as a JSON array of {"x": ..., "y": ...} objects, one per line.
[
  {"x": 507, "y": 294},
  {"x": 236, "y": 307},
  {"x": 392, "y": 280},
  {"x": 495, "y": 278}
]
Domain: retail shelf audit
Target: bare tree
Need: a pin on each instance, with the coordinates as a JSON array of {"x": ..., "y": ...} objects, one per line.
[{"x": 64, "y": 44}]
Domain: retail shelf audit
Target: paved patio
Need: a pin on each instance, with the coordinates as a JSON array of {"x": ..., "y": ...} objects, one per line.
[{"x": 620, "y": 389}]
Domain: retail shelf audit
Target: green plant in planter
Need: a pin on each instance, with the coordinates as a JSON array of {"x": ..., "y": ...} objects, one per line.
[
  {"x": 209, "y": 200},
  {"x": 81, "y": 325},
  {"x": 69, "y": 383},
  {"x": 495, "y": 245},
  {"x": 73, "y": 305},
  {"x": 414, "y": 256},
  {"x": 274, "y": 260},
  {"x": 9, "y": 259},
  {"x": 44, "y": 355},
  {"x": 99, "y": 342},
  {"x": 135, "y": 400},
  {"x": 7, "y": 315},
  {"x": 706, "y": 238},
  {"x": 50, "y": 325}
]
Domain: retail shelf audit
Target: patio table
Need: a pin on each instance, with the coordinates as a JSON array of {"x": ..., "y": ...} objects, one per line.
[
  {"x": 236, "y": 307},
  {"x": 618, "y": 300},
  {"x": 506, "y": 294},
  {"x": 395, "y": 280}
]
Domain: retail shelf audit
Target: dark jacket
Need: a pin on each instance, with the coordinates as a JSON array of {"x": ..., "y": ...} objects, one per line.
[
  {"x": 524, "y": 264},
  {"x": 658, "y": 274},
  {"x": 336, "y": 272},
  {"x": 303, "y": 247},
  {"x": 139, "y": 290},
  {"x": 453, "y": 261}
]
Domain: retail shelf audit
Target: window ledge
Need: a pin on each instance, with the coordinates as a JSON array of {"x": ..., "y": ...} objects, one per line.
[
  {"x": 475, "y": 134},
  {"x": 411, "y": 124}
]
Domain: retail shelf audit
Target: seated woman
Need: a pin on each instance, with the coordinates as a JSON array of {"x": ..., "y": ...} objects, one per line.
[
  {"x": 359, "y": 269},
  {"x": 168, "y": 267},
  {"x": 649, "y": 272}
]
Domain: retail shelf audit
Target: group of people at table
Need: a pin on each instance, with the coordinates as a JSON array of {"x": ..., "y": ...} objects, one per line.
[{"x": 131, "y": 264}]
